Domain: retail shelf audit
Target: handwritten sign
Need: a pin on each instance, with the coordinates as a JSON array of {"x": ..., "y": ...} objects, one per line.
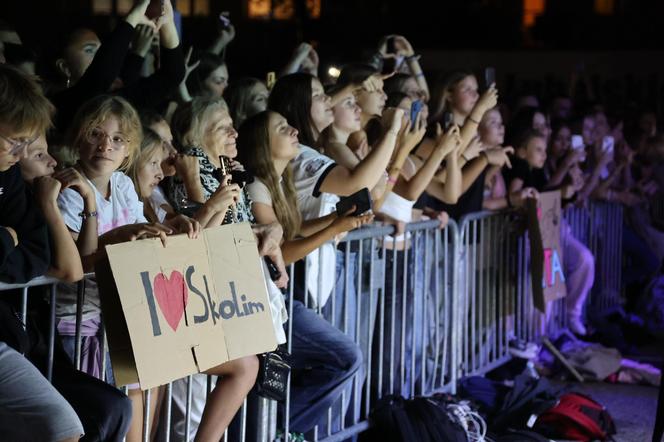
[
  {"x": 546, "y": 264},
  {"x": 182, "y": 309}
]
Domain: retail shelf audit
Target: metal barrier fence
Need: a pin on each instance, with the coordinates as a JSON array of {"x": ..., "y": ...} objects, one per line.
[{"x": 424, "y": 310}]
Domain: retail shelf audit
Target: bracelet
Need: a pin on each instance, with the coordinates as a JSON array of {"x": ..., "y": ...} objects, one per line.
[
  {"x": 419, "y": 74},
  {"x": 413, "y": 57},
  {"x": 86, "y": 215},
  {"x": 473, "y": 120},
  {"x": 463, "y": 155}
]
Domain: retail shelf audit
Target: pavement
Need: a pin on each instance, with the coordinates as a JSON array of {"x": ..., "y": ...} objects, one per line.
[{"x": 631, "y": 406}]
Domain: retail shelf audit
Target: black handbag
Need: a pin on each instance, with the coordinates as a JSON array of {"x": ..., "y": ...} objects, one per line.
[{"x": 273, "y": 371}]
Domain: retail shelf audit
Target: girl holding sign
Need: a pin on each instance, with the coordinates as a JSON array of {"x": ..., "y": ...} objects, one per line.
[{"x": 106, "y": 134}]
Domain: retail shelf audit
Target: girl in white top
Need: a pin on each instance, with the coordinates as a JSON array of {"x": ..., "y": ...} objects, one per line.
[
  {"x": 267, "y": 146},
  {"x": 317, "y": 179},
  {"x": 106, "y": 133}
]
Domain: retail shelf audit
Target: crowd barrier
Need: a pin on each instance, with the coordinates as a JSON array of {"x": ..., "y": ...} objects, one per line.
[{"x": 425, "y": 308}]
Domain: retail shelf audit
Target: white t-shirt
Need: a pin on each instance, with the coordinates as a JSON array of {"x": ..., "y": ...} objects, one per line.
[
  {"x": 259, "y": 193},
  {"x": 123, "y": 207},
  {"x": 156, "y": 200},
  {"x": 310, "y": 168}
]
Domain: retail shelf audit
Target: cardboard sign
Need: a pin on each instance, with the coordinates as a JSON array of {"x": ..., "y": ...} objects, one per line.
[
  {"x": 546, "y": 258},
  {"x": 181, "y": 309}
]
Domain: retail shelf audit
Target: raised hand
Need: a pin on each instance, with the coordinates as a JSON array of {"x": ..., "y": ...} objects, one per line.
[
  {"x": 402, "y": 46},
  {"x": 143, "y": 39},
  {"x": 448, "y": 141},
  {"x": 411, "y": 134},
  {"x": 137, "y": 15},
  {"x": 488, "y": 100}
]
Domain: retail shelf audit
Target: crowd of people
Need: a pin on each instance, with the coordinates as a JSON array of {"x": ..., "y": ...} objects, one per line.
[{"x": 124, "y": 139}]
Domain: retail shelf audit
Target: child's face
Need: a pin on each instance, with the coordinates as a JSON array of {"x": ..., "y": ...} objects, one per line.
[
  {"x": 492, "y": 129},
  {"x": 37, "y": 162},
  {"x": 561, "y": 142},
  {"x": 372, "y": 103},
  {"x": 536, "y": 152},
  {"x": 150, "y": 174},
  {"x": 347, "y": 114},
  {"x": 164, "y": 131},
  {"x": 104, "y": 148},
  {"x": 464, "y": 95}
]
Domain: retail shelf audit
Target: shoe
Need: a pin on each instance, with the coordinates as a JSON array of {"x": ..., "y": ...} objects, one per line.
[
  {"x": 519, "y": 348},
  {"x": 577, "y": 327}
]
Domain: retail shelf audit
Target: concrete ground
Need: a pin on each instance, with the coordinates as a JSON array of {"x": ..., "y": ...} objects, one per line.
[{"x": 631, "y": 406}]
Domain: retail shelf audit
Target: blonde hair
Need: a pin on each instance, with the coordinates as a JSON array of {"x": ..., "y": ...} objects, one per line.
[
  {"x": 23, "y": 106},
  {"x": 256, "y": 156},
  {"x": 201, "y": 109},
  {"x": 150, "y": 144},
  {"x": 94, "y": 112}
]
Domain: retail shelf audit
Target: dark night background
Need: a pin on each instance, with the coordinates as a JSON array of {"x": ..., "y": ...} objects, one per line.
[{"x": 617, "y": 43}]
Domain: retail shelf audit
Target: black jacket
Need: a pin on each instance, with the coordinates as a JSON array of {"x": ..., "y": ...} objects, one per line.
[{"x": 17, "y": 210}]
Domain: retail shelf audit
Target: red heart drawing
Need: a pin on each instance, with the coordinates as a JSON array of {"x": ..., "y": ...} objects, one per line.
[{"x": 172, "y": 296}]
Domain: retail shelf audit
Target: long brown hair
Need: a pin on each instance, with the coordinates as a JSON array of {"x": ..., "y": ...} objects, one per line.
[{"x": 255, "y": 154}]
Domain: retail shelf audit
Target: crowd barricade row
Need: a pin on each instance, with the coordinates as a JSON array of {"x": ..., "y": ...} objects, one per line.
[{"x": 425, "y": 308}]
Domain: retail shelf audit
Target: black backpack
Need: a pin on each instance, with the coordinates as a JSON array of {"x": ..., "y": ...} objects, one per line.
[{"x": 395, "y": 419}]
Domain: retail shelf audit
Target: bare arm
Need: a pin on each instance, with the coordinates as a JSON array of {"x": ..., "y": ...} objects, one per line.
[
  {"x": 65, "y": 261},
  {"x": 343, "y": 181}
]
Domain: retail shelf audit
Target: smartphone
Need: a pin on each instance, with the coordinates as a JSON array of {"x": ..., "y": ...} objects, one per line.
[
  {"x": 415, "y": 109},
  {"x": 607, "y": 144},
  {"x": 489, "y": 76},
  {"x": 155, "y": 9},
  {"x": 225, "y": 20},
  {"x": 360, "y": 199},
  {"x": 577, "y": 142},
  {"x": 389, "y": 47},
  {"x": 448, "y": 120},
  {"x": 270, "y": 79}
]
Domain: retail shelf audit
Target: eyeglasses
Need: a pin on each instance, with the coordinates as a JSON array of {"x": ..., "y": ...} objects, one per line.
[
  {"x": 17, "y": 146},
  {"x": 98, "y": 136}
]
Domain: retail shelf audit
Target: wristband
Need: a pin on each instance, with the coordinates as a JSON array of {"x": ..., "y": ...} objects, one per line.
[
  {"x": 86, "y": 215},
  {"x": 419, "y": 74},
  {"x": 473, "y": 120},
  {"x": 413, "y": 57}
]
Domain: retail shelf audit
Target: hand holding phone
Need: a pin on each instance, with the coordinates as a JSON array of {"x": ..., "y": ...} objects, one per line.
[
  {"x": 577, "y": 142},
  {"x": 608, "y": 144},
  {"x": 360, "y": 199},
  {"x": 415, "y": 109},
  {"x": 225, "y": 20},
  {"x": 489, "y": 76}
]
